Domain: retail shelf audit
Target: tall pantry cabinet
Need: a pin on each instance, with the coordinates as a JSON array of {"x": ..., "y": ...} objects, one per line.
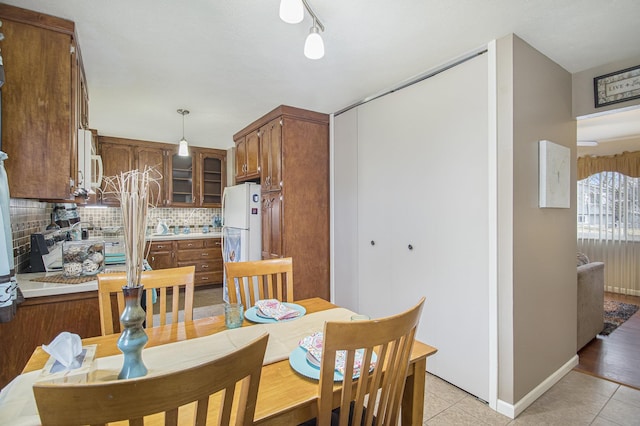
[{"x": 294, "y": 179}]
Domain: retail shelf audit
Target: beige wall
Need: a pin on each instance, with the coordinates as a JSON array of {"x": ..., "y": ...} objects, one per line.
[
  {"x": 536, "y": 273},
  {"x": 583, "y": 102}
]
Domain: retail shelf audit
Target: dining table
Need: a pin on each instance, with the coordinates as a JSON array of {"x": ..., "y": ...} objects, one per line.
[{"x": 285, "y": 397}]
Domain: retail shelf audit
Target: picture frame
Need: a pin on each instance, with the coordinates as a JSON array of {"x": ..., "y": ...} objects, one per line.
[
  {"x": 616, "y": 87},
  {"x": 554, "y": 175}
]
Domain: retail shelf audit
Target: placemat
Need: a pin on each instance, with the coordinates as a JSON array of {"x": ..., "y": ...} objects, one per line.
[{"x": 61, "y": 279}]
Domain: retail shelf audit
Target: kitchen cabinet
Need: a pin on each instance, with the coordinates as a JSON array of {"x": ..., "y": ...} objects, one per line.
[
  {"x": 180, "y": 180},
  {"x": 38, "y": 321},
  {"x": 272, "y": 225},
  {"x": 194, "y": 181},
  {"x": 40, "y": 112},
  {"x": 116, "y": 158},
  {"x": 203, "y": 253},
  {"x": 248, "y": 156},
  {"x": 211, "y": 177},
  {"x": 270, "y": 155},
  {"x": 294, "y": 178},
  {"x": 162, "y": 254}
]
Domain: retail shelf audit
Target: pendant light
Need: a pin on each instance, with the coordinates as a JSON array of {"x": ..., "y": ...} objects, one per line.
[
  {"x": 291, "y": 11},
  {"x": 183, "y": 149},
  {"x": 314, "y": 46}
]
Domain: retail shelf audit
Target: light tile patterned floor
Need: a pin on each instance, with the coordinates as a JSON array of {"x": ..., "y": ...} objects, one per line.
[{"x": 577, "y": 399}]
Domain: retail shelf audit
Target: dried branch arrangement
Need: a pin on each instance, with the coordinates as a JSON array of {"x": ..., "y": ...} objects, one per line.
[{"x": 132, "y": 190}]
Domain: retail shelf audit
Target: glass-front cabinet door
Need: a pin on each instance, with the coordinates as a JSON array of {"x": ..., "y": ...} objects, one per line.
[
  {"x": 181, "y": 180},
  {"x": 212, "y": 179}
]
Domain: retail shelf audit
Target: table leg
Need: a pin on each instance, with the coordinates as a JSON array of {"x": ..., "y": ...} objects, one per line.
[{"x": 413, "y": 397}]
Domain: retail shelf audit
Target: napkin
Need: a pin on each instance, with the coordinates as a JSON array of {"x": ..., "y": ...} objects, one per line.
[
  {"x": 313, "y": 345},
  {"x": 65, "y": 349},
  {"x": 273, "y": 308}
]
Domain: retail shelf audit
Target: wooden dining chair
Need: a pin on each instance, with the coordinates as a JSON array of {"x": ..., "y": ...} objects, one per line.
[
  {"x": 160, "y": 279},
  {"x": 101, "y": 402},
  {"x": 374, "y": 398},
  {"x": 260, "y": 279}
]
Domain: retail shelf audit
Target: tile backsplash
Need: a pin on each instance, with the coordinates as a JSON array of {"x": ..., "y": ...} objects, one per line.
[{"x": 29, "y": 216}]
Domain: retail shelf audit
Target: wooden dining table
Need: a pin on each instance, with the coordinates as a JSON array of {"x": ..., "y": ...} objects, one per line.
[{"x": 285, "y": 397}]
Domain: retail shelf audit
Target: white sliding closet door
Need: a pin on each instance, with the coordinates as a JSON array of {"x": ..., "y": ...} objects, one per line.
[{"x": 423, "y": 214}]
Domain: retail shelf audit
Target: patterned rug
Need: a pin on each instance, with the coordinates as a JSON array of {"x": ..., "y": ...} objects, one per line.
[{"x": 615, "y": 313}]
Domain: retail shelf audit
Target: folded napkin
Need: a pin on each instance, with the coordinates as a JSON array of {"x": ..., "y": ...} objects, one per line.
[
  {"x": 273, "y": 308},
  {"x": 313, "y": 345}
]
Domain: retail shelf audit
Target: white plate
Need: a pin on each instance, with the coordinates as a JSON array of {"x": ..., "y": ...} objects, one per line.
[{"x": 252, "y": 314}]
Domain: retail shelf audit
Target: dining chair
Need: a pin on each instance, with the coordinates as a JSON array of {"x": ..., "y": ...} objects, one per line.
[
  {"x": 159, "y": 279},
  {"x": 98, "y": 403},
  {"x": 374, "y": 398},
  {"x": 273, "y": 279}
]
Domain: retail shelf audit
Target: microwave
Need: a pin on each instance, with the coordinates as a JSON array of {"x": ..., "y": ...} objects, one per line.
[{"x": 89, "y": 163}]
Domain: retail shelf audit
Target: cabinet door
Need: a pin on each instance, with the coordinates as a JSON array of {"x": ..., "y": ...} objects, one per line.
[
  {"x": 271, "y": 155},
  {"x": 116, "y": 158},
  {"x": 162, "y": 255},
  {"x": 272, "y": 225},
  {"x": 211, "y": 182},
  {"x": 241, "y": 158},
  {"x": 153, "y": 158},
  {"x": 37, "y": 104},
  {"x": 180, "y": 179},
  {"x": 252, "y": 155}
]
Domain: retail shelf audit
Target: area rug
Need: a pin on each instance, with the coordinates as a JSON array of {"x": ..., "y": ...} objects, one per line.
[{"x": 616, "y": 313}]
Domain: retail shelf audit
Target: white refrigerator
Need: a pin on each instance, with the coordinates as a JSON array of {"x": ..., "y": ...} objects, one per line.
[{"x": 241, "y": 225}]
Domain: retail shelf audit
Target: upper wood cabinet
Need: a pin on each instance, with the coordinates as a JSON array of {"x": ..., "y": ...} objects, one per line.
[
  {"x": 194, "y": 181},
  {"x": 40, "y": 111},
  {"x": 248, "y": 156},
  {"x": 271, "y": 155},
  {"x": 294, "y": 179}
]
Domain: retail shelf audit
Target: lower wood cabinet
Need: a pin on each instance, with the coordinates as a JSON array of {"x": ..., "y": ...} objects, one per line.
[
  {"x": 205, "y": 254},
  {"x": 38, "y": 321}
]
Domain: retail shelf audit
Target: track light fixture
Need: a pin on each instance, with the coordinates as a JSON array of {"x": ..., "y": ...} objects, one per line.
[
  {"x": 292, "y": 12},
  {"x": 183, "y": 148}
]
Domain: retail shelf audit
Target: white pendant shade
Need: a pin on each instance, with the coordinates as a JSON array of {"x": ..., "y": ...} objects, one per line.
[
  {"x": 291, "y": 11},
  {"x": 314, "y": 46},
  {"x": 183, "y": 149}
]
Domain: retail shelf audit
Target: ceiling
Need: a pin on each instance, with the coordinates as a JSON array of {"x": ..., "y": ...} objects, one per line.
[{"x": 230, "y": 62}]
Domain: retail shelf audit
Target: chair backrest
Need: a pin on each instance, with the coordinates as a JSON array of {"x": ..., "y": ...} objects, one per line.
[
  {"x": 160, "y": 279},
  {"x": 260, "y": 279},
  {"x": 391, "y": 339},
  {"x": 132, "y": 399}
]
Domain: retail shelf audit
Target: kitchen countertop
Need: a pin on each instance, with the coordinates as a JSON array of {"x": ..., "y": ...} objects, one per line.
[
  {"x": 39, "y": 289},
  {"x": 189, "y": 236}
]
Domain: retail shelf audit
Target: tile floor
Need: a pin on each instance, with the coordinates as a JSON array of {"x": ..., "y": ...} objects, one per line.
[{"x": 577, "y": 399}]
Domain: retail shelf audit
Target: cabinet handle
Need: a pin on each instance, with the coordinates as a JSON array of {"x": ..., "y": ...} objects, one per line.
[
  {"x": 153, "y": 258},
  {"x": 205, "y": 266},
  {"x": 160, "y": 247},
  {"x": 410, "y": 247},
  {"x": 190, "y": 244},
  {"x": 218, "y": 243},
  {"x": 205, "y": 254},
  {"x": 373, "y": 243}
]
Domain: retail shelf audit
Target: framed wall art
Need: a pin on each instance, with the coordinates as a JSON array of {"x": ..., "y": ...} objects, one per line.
[
  {"x": 619, "y": 86},
  {"x": 554, "y": 175}
]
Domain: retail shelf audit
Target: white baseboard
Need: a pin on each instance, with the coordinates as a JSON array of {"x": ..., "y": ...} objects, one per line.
[{"x": 512, "y": 411}]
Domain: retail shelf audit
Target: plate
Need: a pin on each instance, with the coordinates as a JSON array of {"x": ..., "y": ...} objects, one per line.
[
  {"x": 252, "y": 314},
  {"x": 298, "y": 361},
  {"x": 305, "y": 364}
]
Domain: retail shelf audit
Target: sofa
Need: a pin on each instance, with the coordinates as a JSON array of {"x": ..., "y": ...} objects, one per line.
[{"x": 590, "y": 301}]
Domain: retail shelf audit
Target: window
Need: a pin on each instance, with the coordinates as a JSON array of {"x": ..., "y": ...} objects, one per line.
[{"x": 609, "y": 207}]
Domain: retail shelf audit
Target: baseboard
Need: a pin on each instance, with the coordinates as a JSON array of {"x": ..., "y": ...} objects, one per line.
[
  {"x": 621, "y": 290},
  {"x": 513, "y": 411}
]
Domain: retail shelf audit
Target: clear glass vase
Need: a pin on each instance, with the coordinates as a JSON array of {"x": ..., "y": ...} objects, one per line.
[{"x": 133, "y": 337}]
